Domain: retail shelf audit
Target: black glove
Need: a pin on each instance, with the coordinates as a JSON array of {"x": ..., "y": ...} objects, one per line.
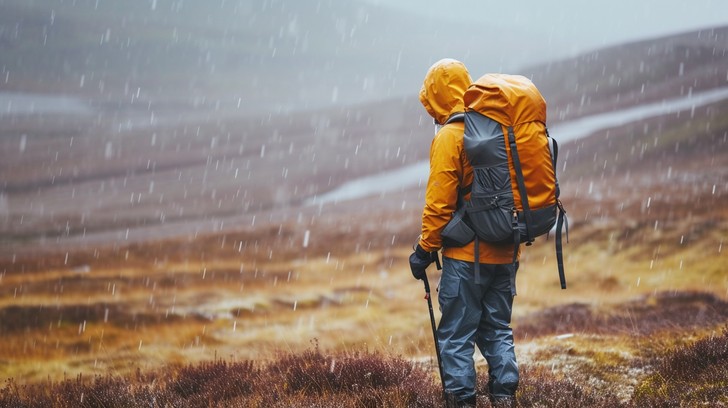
[{"x": 419, "y": 261}]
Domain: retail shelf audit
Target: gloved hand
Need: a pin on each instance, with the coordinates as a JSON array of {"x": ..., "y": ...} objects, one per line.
[{"x": 419, "y": 261}]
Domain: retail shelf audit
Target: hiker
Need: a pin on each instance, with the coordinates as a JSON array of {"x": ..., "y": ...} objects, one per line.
[{"x": 474, "y": 311}]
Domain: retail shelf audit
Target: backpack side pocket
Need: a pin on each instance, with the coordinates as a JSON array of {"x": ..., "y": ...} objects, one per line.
[
  {"x": 457, "y": 232},
  {"x": 492, "y": 216}
]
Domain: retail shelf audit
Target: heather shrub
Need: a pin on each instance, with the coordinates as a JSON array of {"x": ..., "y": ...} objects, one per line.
[
  {"x": 690, "y": 376},
  {"x": 10, "y": 395},
  {"x": 666, "y": 311},
  {"x": 103, "y": 392},
  {"x": 214, "y": 381},
  {"x": 308, "y": 372},
  {"x": 386, "y": 381},
  {"x": 694, "y": 375},
  {"x": 308, "y": 379},
  {"x": 362, "y": 379},
  {"x": 539, "y": 387},
  {"x": 106, "y": 391}
]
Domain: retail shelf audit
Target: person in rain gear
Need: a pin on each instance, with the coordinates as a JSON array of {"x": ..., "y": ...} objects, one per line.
[{"x": 474, "y": 311}]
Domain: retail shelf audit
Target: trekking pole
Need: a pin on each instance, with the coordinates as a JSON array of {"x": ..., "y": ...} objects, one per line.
[{"x": 434, "y": 330}]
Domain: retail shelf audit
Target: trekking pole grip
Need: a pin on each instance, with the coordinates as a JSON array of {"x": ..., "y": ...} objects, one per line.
[{"x": 427, "y": 285}]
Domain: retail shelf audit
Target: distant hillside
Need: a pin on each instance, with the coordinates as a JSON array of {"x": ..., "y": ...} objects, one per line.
[
  {"x": 637, "y": 73},
  {"x": 630, "y": 74},
  {"x": 214, "y": 166}
]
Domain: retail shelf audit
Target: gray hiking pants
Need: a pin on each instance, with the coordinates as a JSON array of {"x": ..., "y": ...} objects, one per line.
[{"x": 476, "y": 314}]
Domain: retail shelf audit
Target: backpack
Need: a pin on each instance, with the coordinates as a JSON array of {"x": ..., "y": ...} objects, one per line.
[{"x": 514, "y": 197}]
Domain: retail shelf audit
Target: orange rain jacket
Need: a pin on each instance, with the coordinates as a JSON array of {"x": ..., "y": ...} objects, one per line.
[{"x": 442, "y": 96}]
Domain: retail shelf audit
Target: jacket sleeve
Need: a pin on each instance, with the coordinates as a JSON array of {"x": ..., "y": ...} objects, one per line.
[{"x": 442, "y": 186}]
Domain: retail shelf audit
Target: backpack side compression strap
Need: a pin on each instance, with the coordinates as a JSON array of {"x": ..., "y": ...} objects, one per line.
[
  {"x": 562, "y": 220},
  {"x": 521, "y": 184},
  {"x": 554, "y": 150}
]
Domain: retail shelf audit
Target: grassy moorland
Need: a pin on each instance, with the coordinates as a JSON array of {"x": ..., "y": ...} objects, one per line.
[{"x": 133, "y": 318}]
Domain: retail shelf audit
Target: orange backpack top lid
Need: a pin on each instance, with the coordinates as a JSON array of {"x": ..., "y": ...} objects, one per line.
[{"x": 508, "y": 99}]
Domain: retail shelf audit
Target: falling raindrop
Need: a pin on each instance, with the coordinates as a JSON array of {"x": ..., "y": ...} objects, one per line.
[
  {"x": 306, "y": 236},
  {"x": 108, "y": 150}
]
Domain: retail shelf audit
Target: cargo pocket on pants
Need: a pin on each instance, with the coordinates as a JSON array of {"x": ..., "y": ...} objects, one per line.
[{"x": 448, "y": 289}]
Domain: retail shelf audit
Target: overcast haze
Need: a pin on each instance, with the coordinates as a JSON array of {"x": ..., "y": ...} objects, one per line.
[
  {"x": 569, "y": 27},
  {"x": 286, "y": 55}
]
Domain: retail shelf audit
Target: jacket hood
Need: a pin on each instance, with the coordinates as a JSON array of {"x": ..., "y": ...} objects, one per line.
[{"x": 443, "y": 89}]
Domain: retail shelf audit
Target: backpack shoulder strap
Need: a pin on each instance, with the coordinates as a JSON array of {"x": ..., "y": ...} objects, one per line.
[
  {"x": 462, "y": 191},
  {"x": 456, "y": 117}
]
